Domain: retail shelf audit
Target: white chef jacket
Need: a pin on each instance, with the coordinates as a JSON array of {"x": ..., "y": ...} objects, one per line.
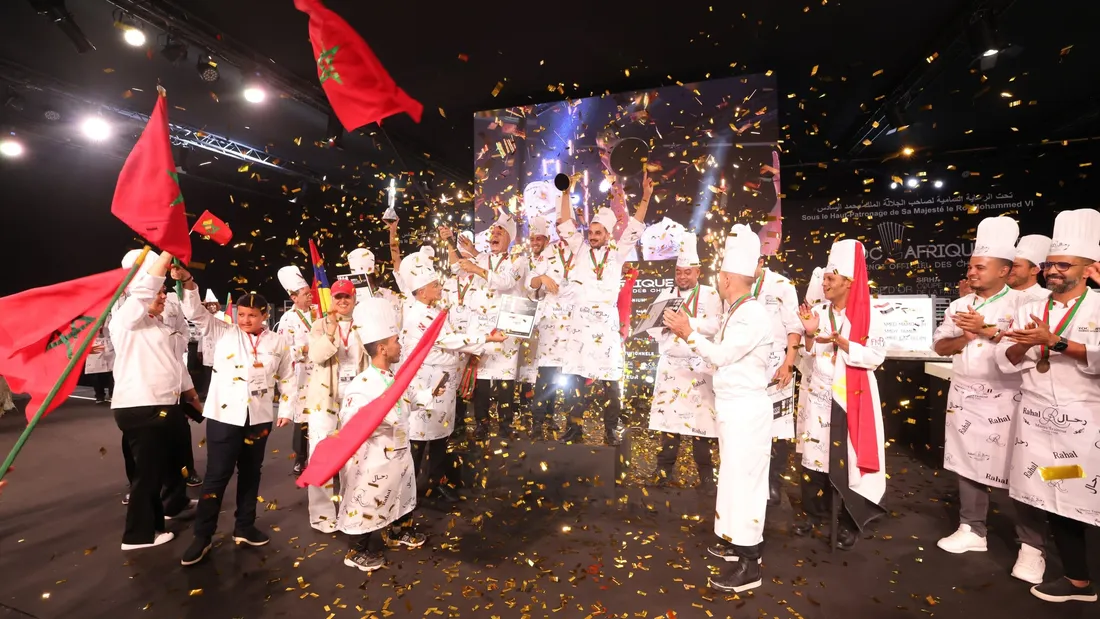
[
  {"x": 778, "y": 294},
  {"x": 593, "y": 288},
  {"x": 239, "y": 393},
  {"x": 739, "y": 352},
  {"x": 1036, "y": 292},
  {"x": 149, "y": 367},
  {"x": 505, "y": 276},
  {"x": 550, "y": 341},
  {"x": 103, "y": 362},
  {"x": 978, "y": 361},
  {"x": 295, "y": 326}
]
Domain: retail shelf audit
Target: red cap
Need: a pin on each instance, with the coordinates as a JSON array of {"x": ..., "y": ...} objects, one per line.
[{"x": 343, "y": 286}]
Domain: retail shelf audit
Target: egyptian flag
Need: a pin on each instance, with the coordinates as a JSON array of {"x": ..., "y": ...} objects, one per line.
[{"x": 853, "y": 408}]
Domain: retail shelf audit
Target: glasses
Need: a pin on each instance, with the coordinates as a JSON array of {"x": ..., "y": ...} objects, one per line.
[{"x": 1061, "y": 266}]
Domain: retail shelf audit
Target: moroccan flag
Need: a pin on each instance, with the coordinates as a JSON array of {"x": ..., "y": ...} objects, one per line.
[
  {"x": 357, "y": 85},
  {"x": 148, "y": 197},
  {"x": 42, "y": 329},
  {"x": 213, "y": 228},
  {"x": 334, "y": 452},
  {"x": 320, "y": 280},
  {"x": 230, "y": 317}
]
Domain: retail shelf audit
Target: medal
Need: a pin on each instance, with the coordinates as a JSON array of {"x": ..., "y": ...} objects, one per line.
[
  {"x": 257, "y": 365},
  {"x": 1043, "y": 366}
]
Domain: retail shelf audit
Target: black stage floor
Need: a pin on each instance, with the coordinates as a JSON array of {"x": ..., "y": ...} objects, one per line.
[{"x": 532, "y": 547}]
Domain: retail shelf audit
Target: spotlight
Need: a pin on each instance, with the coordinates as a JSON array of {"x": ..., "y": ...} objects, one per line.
[
  {"x": 52, "y": 115},
  {"x": 893, "y": 185},
  {"x": 911, "y": 182},
  {"x": 938, "y": 184},
  {"x": 605, "y": 185},
  {"x": 10, "y": 148},
  {"x": 254, "y": 94},
  {"x": 133, "y": 36},
  {"x": 96, "y": 129},
  {"x": 981, "y": 30},
  {"x": 907, "y": 151},
  {"x": 208, "y": 69},
  {"x": 174, "y": 51}
]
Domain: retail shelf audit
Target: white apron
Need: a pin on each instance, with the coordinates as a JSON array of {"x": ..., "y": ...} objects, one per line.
[
  {"x": 744, "y": 441},
  {"x": 437, "y": 420},
  {"x": 1062, "y": 436},
  {"x": 597, "y": 350},
  {"x": 979, "y": 430},
  {"x": 783, "y": 424},
  {"x": 683, "y": 397},
  {"x": 500, "y": 361}
]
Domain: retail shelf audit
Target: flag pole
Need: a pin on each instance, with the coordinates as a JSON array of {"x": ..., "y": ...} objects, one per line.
[{"x": 72, "y": 364}]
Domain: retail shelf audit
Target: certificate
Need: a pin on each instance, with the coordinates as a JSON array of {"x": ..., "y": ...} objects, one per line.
[
  {"x": 517, "y": 316},
  {"x": 654, "y": 316}
]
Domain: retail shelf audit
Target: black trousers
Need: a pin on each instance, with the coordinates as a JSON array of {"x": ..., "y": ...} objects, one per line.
[
  {"x": 173, "y": 493},
  {"x": 372, "y": 541},
  {"x": 435, "y": 460},
  {"x": 145, "y": 432},
  {"x": 503, "y": 392},
  {"x": 701, "y": 452},
  {"x": 598, "y": 395},
  {"x": 817, "y": 499},
  {"x": 781, "y": 452},
  {"x": 300, "y": 443},
  {"x": 183, "y": 455},
  {"x": 548, "y": 390},
  {"x": 103, "y": 383},
  {"x": 231, "y": 447},
  {"x": 1069, "y": 537}
]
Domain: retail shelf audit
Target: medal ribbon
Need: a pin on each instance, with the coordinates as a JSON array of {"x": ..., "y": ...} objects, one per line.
[
  {"x": 693, "y": 302},
  {"x": 567, "y": 265},
  {"x": 598, "y": 268},
  {"x": 759, "y": 283},
  {"x": 732, "y": 309},
  {"x": 308, "y": 322},
  {"x": 832, "y": 324},
  {"x": 991, "y": 299},
  {"x": 494, "y": 268},
  {"x": 462, "y": 290},
  {"x": 255, "y": 346},
  {"x": 1045, "y": 352}
]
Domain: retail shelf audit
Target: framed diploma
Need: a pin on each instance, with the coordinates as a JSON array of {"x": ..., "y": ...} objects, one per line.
[{"x": 517, "y": 316}]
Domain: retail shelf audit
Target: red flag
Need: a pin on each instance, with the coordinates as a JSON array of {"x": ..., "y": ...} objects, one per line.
[
  {"x": 148, "y": 197},
  {"x": 209, "y": 226},
  {"x": 860, "y": 405},
  {"x": 334, "y": 452},
  {"x": 357, "y": 85},
  {"x": 626, "y": 302},
  {"x": 43, "y": 328}
]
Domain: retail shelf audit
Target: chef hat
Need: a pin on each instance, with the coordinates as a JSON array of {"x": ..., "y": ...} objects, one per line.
[
  {"x": 210, "y": 297},
  {"x": 1033, "y": 248},
  {"x": 428, "y": 251},
  {"x": 506, "y": 222},
  {"x": 689, "y": 251},
  {"x": 842, "y": 258},
  {"x": 815, "y": 290},
  {"x": 742, "y": 253},
  {"x": 539, "y": 226},
  {"x": 131, "y": 257},
  {"x": 290, "y": 278},
  {"x": 606, "y": 218},
  {"x": 374, "y": 319},
  {"x": 416, "y": 272},
  {"x": 361, "y": 261},
  {"x": 996, "y": 238},
  {"x": 1076, "y": 233}
]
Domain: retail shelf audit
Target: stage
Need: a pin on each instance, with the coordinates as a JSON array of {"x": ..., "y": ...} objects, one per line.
[{"x": 525, "y": 545}]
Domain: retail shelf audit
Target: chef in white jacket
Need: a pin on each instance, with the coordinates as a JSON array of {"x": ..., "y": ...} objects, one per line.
[
  {"x": 361, "y": 263},
  {"x": 432, "y": 422},
  {"x": 739, "y": 352},
  {"x": 494, "y": 275},
  {"x": 99, "y": 363},
  {"x": 1055, "y": 346},
  {"x": 981, "y": 403},
  {"x": 683, "y": 394},
  {"x": 378, "y": 485},
  {"x": 248, "y": 362},
  {"x": 1031, "y": 251},
  {"x": 845, "y": 337},
  {"x": 596, "y": 353},
  {"x": 548, "y": 283},
  {"x": 206, "y": 343},
  {"x": 295, "y": 326},
  {"x": 814, "y": 294}
]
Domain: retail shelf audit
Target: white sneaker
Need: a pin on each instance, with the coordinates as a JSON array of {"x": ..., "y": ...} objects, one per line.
[
  {"x": 963, "y": 540},
  {"x": 161, "y": 538},
  {"x": 1030, "y": 565}
]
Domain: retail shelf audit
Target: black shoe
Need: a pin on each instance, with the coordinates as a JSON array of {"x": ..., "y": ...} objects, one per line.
[
  {"x": 1062, "y": 590},
  {"x": 802, "y": 528},
  {"x": 100, "y": 401},
  {"x": 611, "y": 437},
  {"x": 405, "y": 537},
  {"x": 744, "y": 576},
  {"x": 775, "y": 495},
  {"x": 444, "y": 494},
  {"x": 197, "y": 551},
  {"x": 193, "y": 481},
  {"x": 251, "y": 536},
  {"x": 298, "y": 468},
  {"x": 723, "y": 551},
  {"x": 481, "y": 432},
  {"x": 846, "y": 538},
  {"x": 365, "y": 561},
  {"x": 573, "y": 434}
]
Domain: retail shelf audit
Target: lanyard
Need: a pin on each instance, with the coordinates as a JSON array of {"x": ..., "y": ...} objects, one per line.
[
  {"x": 386, "y": 379},
  {"x": 832, "y": 324},
  {"x": 494, "y": 268},
  {"x": 567, "y": 265},
  {"x": 308, "y": 322},
  {"x": 598, "y": 268},
  {"x": 759, "y": 283},
  {"x": 690, "y": 308},
  {"x": 991, "y": 299},
  {"x": 255, "y": 344},
  {"x": 344, "y": 338},
  {"x": 1065, "y": 319},
  {"x": 732, "y": 309},
  {"x": 462, "y": 290}
]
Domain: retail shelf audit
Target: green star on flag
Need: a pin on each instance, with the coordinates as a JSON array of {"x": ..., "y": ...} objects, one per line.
[
  {"x": 179, "y": 196},
  {"x": 324, "y": 62}
]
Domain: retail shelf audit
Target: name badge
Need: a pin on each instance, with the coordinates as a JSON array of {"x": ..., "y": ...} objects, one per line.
[{"x": 257, "y": 382}]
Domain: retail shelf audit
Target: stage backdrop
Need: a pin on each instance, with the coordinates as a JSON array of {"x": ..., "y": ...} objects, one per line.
[{"x": 709, "y": 146}]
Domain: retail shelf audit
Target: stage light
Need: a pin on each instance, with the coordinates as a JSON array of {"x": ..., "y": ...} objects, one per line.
[
  {"x": 982, "y": 33},
  {"x": 938, "y": 184},
  {"x": 605, "y": 185},
  {"x": 52, "y": 115},
  {"x": 208, "y": 69},
  {"x": 990, "y": 52},
  {"x": 893, "y": 185},
  {"x": 10, "y": 148},
  {"x": 254, "y": 94},
  {"x": 912, "y": 182},
  {"x": 908, "y": 151},
  {"x": 96, "y": 129},
  {"x": 133, "y": 36},
  {"x": 174, "y": 51}
]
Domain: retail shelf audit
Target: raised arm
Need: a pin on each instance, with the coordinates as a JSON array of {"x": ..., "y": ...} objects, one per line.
[
  {"x": 143, "y": 289},
  {"x": 193, "y": 309},
  {"x": 395, "y": 246},
  {"x": 322, "y": 339}
]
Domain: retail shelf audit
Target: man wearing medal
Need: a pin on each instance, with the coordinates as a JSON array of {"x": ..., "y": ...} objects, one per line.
[
  {"x": 981, "y": 403},
  {"x": 740, "y": 353},
  {"x": 683, "y": 396},
  {"x": 1055, "y": 346},
  {"x": 295, "y": 326},
  {"x": 1031, "y": 251}
]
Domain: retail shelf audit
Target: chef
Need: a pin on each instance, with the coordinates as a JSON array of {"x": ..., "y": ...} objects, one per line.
[
  {"x": 98, "y": 365},
  {"x": 362, "y": 265},
  {"x": 596, "y": 352},
  {"x": 1031, "y": 251},
  {"x": 338, "y": 357},
  {"x": 814, "y": 295},
  {"x": 683, "y": 396},
  {"x": 495, "y": 275},
  {"x": 740, "y": 352},
  {"x": 1055, "y": 346},
  {"x": 548, "y": 283},
  {"x": 981, "y": 403},
  {"x": 295, "y": 326},
  {"x": 845, "y": 338},
  {"x": 248, "y": 362},
  {"x": 431, "y": 423},
  {"x": 206, "y": 343},
  {"x": 378, "y": 485},
  {"x": 778, "y": 294}
]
